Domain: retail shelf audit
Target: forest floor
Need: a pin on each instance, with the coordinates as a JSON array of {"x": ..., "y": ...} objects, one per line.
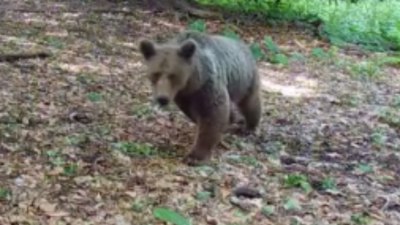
[{"x": 81, "y": 142}]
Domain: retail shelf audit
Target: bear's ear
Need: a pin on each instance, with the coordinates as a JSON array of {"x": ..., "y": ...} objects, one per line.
[
  {"x": 147, "y": 49},
  {"x": 187, "y": 49}
]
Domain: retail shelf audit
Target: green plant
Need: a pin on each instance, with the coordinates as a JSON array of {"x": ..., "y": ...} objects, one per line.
[
  {"x": 364, "y": 168},
  {"x": 70, "y": 169},
  {"x": 364, "y": 70},
  {"x": 279, "y": 59},
  {"x": 54, "y": 42},
  {"x": 360, "y": 219},
  {"x": 375, "y": 25},
  {"x": 141, "y": 110},
  {"x": 257, "y": 51},
  {"x": 378, "y": 137},
  {"x": 135, "y": 149},
  {"x": 268, "y": 210},
  {"x": 328, "y": 183},
  {"x": 231, "y": 34},
  {"x": 5, "y": 193},
  {"x": 197, "y": 25},
  {"x": 390, "y": 116},
  {"x": 168, "y": 215},
  {"x": 203, "y": 195},
  {"x": 94, "y": 96},
  {"x": 138, "y": 206},
  {"x": 292, "y": 204},
  {"x": 319, "y": 53},
  {"x": 55, "y": 158},
  {"x": 396, "y": 101},
  {"x": 271, "y": 46},
  {"x": 297, "y": 180}
]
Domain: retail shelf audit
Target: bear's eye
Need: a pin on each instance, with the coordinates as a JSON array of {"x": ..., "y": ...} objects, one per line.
[
  {"x": 172, "y": 76},
  {"x": 155, "y": 76}
]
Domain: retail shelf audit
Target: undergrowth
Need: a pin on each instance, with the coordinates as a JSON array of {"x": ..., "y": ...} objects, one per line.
[{"x": 373, "y": 24}]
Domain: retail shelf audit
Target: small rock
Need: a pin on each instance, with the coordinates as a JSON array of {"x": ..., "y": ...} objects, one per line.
[{"x": 247, "y": 192}]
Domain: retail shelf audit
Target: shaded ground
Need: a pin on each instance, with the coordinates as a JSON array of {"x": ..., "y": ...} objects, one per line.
[{"x": 73, "y": 129}]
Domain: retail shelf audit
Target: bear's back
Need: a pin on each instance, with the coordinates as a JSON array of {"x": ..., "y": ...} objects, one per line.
[{"x": 229, "y": 61}]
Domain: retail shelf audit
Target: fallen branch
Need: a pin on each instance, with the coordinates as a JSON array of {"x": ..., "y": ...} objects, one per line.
[
  {"x": 44, "y": 11},
  {"x": 18, "y": 56}
]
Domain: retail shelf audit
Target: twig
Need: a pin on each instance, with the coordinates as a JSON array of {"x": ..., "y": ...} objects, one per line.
[
  {"x": 113, "y": 11},
  {"x": 18, "y": 56}
]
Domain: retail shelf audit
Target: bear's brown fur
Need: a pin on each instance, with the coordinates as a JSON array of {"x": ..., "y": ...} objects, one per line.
[{"x": 204, "y": 74}]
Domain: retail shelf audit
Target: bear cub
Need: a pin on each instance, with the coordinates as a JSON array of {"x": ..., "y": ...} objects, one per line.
[{"x": 205, "y": 75}]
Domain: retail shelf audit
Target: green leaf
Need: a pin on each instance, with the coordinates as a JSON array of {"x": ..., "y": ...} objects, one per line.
[
  {"x": 4, "y": 193},
  {"x": 365, "y": 168},
  {"x": 231, "y": 34},
  {"x": 319, "y": 53},
  {"x": 94, "y": 96},
  {"x": 197, "y": 25},
  {"x": 256, "y": 51},
  {"x": 135, "y": 149},
  {"x": 203, "y": 195},
  {"x": 328, "y": 183},
  {"x": 267, "y": 210},
  {"x": 292, "y": 204},
  {"x": 70, "y": 169},
  {"x": 168, "y": 215},
  {"x": 298, "y": 180},
  {"x": 280, "y": 59},
  {"x": 137, "y": 206},
  {"x": 270, "y": 45}
]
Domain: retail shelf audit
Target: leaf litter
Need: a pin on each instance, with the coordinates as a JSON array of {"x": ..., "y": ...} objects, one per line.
[{"x": 82, "y": 143}]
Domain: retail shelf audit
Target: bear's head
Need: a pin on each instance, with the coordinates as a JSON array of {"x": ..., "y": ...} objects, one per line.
[{"x": 169, "y": 67}]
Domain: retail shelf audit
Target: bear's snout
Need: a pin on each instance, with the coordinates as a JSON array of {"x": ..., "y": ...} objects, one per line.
[{"x": 162, "y": 100}]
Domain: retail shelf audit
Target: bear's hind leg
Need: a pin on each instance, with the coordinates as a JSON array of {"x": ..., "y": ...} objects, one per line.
[{"x": 250, "y": 107}]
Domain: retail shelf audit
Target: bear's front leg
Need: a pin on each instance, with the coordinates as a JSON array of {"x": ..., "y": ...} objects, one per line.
[{"x": 210, "y": 127}]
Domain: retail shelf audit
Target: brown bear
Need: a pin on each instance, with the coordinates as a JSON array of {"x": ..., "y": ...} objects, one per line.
[{"x": 205, "y": 75}]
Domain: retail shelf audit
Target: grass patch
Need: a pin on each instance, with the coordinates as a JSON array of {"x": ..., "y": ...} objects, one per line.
[
  {"x": 135, "y": 149},
  {"x": 373, "y": 24}
]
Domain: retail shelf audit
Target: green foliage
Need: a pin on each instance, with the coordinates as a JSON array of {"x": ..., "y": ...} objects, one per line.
[
  {"x": 360, "y": 219},
  {"x": 138, "y": 206},
  {"x": 231, "y": 34},
  {"x": 168, "y": 215},
  {"x": 319, "y": 53},
  {"x": 5, "y": 193},
  {"x": 55, "y": 158},
  {"x": 280, "y": 59},
  {"x": 328, "y": 183},
  {"x": 53, "y": 42},
  {"x": 198, "y": 25},
  {"x": 396, "y": 101},
  {"x": 364, "y": 168},
  {"x": 364, "y": 70},
  {"x": 257, "y": 51},
  {"x": 298, "y": 180},
  {"x": 94, "y": 96},
  {"x": 292, "y": 204},
  {"x": 203, "y": 195},
  {"x": 390, "y": 116},
  {"x": 378, "y": 137},
  {"x": 268, "y": 210},
  {"x": 371, "y": 23},
  {"x": 135, "y": 149},
  {"x": 141, "y": 110},
  {"x": 271, "y": 45},
  {"x": 70, "y": 169}
]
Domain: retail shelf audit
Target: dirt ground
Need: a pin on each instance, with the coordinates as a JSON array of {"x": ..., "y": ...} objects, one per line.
[{"x": 81, "y": 142}]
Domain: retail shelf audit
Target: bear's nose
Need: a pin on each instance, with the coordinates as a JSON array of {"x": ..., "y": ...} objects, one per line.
[{"x": 162, "y": 100}]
